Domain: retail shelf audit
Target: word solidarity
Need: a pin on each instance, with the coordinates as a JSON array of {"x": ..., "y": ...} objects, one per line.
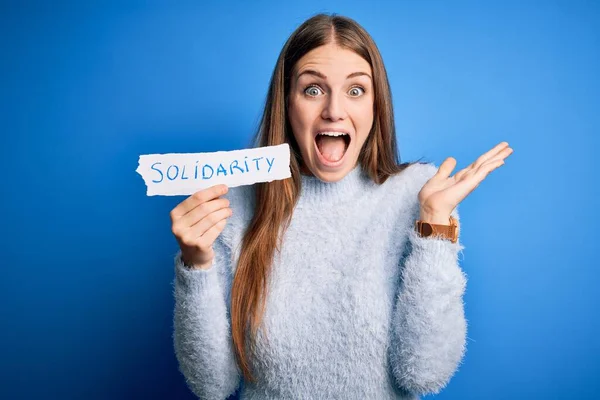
[
  {"x": 185, "y": 173},
  {"x": 207, "y": 170}
]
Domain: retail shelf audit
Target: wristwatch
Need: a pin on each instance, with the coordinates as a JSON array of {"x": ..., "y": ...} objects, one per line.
[{"x": 425, "y": 229}]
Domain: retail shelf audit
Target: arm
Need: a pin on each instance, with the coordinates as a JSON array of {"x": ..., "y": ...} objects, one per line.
[
  {"x": 428, "y": 334},
  {"x": 202, "y": 335}
]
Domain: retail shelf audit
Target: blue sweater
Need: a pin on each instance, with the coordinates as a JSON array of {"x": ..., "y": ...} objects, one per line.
[{"x": 359, "y": 306}]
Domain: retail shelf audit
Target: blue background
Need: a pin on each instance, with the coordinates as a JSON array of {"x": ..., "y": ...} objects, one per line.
[{"x": 86, "y": 295}]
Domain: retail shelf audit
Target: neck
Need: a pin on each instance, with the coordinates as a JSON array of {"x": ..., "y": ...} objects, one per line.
[{"x": 317, "y": 191}]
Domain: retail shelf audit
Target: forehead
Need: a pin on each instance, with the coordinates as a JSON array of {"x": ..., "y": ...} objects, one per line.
[{"x": 332, "y": 61}]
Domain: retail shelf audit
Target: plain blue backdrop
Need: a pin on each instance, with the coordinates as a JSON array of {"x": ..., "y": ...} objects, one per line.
[{"x": 86, "y": 256}]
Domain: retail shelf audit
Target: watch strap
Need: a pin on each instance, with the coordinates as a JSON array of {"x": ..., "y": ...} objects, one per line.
[{"x": 450, "y": 231}]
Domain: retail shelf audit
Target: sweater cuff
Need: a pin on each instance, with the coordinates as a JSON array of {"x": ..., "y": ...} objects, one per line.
[
  {"x": 194, "y": 279},
  {"x": 436, "y": 259}
]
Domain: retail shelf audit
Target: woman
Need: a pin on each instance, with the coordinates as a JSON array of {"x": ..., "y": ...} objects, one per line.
[{"x": 352, "y": 301}]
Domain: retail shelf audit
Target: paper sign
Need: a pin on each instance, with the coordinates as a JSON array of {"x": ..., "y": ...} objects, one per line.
[{"x": 175, "y": 174}]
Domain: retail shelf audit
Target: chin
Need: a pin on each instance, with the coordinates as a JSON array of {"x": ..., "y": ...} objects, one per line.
[{"x": 331, "y": 175}]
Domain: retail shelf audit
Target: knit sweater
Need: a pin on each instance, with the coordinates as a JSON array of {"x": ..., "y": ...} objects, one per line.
[{"x": 359, "y": 306}]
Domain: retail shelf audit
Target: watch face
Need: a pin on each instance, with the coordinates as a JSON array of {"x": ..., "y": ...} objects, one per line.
[{"x": 426, "y": 229}]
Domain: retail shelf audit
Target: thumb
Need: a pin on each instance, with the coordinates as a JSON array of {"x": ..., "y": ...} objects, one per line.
[{"x": 446, "y": 168}]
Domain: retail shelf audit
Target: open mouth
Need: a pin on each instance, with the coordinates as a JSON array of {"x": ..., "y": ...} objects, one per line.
[{"x": 332, "y": 147}]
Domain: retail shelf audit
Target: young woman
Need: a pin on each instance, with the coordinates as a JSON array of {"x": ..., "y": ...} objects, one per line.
[{"x": 349, "y": 268}]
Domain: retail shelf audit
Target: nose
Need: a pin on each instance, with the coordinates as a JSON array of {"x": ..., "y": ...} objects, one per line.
[{"x": 334, "y": 108}]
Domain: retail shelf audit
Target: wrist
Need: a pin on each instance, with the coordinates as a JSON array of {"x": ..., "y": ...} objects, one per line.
[
  {"x": 195, "y": 266},
  {"x": 204, "y": 267},
  {"x": 438, "y": 225},
  {"x": 434, "y": 218}
]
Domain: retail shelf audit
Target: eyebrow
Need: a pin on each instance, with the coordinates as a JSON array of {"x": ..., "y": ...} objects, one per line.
[{"x": 320, "y": 75}]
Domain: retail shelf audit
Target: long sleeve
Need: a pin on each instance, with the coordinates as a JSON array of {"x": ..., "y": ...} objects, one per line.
[
  {"x": 202, "y": 333},
  {"x": 428, "y": 338}
]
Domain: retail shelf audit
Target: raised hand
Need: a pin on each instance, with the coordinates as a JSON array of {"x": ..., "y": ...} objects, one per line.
[{"x": 442, "y": 193}]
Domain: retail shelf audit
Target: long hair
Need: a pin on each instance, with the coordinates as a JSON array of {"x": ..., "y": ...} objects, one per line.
[{"x": 275, "y": 201}]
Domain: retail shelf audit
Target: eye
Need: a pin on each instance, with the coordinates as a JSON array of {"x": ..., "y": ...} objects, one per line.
[
  {"x": 312, "y": 90},
  {"x": 356, "y": 91}
]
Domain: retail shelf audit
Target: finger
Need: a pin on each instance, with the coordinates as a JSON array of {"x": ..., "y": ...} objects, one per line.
[
  {"x": 503, "y": 154},
  {"x": 472, "y": 179},
  {"x": 460, "y": 174},
  {"x": 209, "y": 221},
  {"x": 211, "y": 235},
  {"x": 488, "y": 167},
  {"x": 201, "y": 211},
  {"x": 490, "y": 154},
  {"x": 499, "y": 156},
  {"x": 197, "y": 198},
  {"x": 446, "y": 168}
]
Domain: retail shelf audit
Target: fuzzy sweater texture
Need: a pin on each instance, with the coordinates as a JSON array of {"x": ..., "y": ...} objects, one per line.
[{"x": 358, "y": 307}]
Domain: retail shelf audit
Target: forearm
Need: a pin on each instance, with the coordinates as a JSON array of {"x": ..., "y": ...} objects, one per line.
[
  {"x": 429, "y": 326},
  {"x": 202, "y": 336}
]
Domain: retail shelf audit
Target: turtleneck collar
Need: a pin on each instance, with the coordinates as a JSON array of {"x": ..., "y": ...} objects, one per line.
[{"x": 315, "y": 190}]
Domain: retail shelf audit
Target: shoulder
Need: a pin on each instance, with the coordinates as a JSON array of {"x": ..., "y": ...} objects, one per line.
[
  {"x": 419, "y": 173},
  {"x": 412, "y": 178},
  {"x": 400, "y": 192}
]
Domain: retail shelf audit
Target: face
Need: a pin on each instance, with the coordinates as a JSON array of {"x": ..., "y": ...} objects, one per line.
[{"x": 330, "y": 108}]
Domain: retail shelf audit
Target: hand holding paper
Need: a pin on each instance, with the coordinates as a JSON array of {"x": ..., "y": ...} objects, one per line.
[
  {"x": 186, "y": 173},
  {"x": 197, "y": 222}
]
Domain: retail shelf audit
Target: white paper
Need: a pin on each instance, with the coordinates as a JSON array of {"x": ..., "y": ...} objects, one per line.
[{"x": 176, "y": 174}]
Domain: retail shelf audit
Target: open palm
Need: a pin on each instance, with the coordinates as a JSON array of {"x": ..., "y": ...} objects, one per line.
[{"x": 442, "y": 193}]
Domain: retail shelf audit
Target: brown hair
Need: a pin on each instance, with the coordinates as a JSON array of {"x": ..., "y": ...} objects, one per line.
[{"x": 275, "y": 201}]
